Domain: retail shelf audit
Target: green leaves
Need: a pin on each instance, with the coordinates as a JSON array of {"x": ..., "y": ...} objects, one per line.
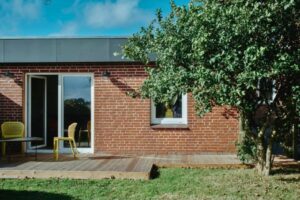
[{"x": 219, "y": 50}]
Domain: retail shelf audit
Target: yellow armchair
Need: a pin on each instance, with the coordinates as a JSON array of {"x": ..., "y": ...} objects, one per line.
[{"x": 11, "y": 130}]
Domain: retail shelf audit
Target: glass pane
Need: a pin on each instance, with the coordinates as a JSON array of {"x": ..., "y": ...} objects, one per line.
[
  {"x": 37, "y": 109},
  {"x": 77, "y": 108},
  {"x": 175, "y": 111},
  {"x": 266, "y": 89}
]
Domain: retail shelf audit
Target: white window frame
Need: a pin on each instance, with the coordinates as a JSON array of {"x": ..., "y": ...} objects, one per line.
[{"x": 182, "y": 120}]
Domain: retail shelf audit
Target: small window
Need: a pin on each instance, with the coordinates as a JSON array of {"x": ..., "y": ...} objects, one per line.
[
  {"x": 174, "y": 114},
  {"x": 266, "y": 90}
]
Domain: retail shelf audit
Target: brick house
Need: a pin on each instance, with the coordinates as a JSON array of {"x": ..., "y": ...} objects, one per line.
[{"x": 49, "y": 83}]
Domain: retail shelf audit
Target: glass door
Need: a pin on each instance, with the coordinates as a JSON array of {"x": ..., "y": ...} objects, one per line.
[
  {"x": 76, "y": 108},
  {"x": 37, "y": 112}
]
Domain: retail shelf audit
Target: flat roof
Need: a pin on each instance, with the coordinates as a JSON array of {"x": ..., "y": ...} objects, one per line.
[{"x": 61, "y": 50}]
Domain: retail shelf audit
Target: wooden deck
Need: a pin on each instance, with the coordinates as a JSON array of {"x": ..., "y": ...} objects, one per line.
[{"x": 103, "y": 166}]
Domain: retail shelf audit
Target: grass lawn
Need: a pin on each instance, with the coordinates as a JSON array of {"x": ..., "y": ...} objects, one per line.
[{"x": 170, "y": 184}]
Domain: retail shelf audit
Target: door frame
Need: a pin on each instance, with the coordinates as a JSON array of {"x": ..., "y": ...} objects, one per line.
[
  {"x": 30, "y": 108},
  {"x": 60, "y": 111}
]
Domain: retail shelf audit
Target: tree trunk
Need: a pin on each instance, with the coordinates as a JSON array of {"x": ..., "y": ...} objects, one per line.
[
  {"x": 268, "y": 164},
  {"x": 261, "y": 153},
  {"x": 264, "y": 153}
]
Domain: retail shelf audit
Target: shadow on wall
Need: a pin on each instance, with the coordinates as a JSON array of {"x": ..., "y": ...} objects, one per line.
[
  {"x": 13, "y": 194},
  {"x": 9, "y": 110},
  {"x": 10, "y": 78},
  {"x": 11, "y": 83},
  {"x": 230, "y": 112},
  {"x": 124, "y": 88}
]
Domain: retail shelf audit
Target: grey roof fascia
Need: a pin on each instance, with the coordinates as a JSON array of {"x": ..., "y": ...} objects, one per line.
[
  {"x": 1, "y": 51},
  {"x": 59, "y": 50}
]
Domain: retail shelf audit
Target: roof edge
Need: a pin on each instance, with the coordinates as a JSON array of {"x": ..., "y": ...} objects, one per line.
[{"x": 62, "y": 37}]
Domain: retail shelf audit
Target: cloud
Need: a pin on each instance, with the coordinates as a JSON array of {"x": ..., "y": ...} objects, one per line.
[
  {"x": 67, "y": 29},
  {"x": 13, "y": 12},
  {"x": 111, "y": 14},
  {"x": 26, "y": 9}
]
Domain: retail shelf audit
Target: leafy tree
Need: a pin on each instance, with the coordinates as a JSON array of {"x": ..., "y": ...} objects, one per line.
[{"x": 228, "y": 52}]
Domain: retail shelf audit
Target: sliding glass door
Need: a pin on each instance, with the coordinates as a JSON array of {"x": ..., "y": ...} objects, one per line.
[
  {"x": 76, "y": 108},
  {"x": 55, "y": 101}
]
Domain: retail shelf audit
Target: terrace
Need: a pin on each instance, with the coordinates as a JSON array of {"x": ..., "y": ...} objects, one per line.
[{"x": 99, "y": 166}]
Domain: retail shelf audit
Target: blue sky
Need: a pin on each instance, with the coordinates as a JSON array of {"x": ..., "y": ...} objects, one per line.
[{"x": 47, "y": 18}]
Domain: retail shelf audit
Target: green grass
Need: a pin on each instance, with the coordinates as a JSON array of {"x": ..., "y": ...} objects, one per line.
[{"x": 170, "y": 184}]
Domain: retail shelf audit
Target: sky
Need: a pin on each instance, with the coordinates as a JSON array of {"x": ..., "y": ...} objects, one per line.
[{"x": 67, "y": 18}]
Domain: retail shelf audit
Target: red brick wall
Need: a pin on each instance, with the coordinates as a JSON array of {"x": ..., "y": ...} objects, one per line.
[{"x": 122, "y": 124}]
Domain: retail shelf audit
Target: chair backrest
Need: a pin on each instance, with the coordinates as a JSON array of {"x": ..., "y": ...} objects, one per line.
[
  {"x": 12, "y": 129},
  {"x": 71, "y": 130}
]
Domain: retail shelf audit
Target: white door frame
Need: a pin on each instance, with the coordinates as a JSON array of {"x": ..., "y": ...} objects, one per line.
[
  {"x": 30, "y": 108},
  {"x": 60, "y": 110}
]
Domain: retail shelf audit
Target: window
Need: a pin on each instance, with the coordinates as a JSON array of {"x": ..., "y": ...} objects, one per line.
[
  {"x": 176, "y": 114},
  {"x": 266, "y": 90}
]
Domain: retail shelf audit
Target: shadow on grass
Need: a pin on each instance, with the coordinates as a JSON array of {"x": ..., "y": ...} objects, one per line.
[
  {"x": 286, "y": 167},
  {"x": 154, "y": 172},
  {"x": 30, "y": 195},
  {"x": 286, "y": 170},
  {"x": 290, "y": 179}
]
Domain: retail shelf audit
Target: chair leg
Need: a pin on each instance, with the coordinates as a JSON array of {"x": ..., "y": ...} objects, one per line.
[
  {"x": 54, "y": 148},
  {"x": 3, "y": 148},
  {"x": 57, "y": 149},
  {"x": 75, "y": 147},
  {"x": 79, "y": 138},
  {"x": 71, "y": 146}
]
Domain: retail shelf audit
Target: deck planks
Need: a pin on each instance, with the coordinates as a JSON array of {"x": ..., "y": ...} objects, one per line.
[{"x": 103, "y": 166}]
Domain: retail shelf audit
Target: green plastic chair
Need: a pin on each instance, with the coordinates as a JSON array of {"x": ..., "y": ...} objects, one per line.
[{"x": 11, "y": 130}]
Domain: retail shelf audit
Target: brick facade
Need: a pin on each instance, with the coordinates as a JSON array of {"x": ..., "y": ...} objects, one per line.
[{"x": 122, "y": 124}]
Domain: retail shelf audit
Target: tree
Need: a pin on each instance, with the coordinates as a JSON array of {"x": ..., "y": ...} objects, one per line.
[{"x": 228, "y": 52}]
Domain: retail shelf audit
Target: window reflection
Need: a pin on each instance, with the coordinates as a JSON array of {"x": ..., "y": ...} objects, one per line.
[
  {"x": 167, "y": 111},
  {"x": 77, "y": 107}
]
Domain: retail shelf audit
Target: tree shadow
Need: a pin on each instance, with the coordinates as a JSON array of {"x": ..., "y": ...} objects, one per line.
[
  {"x": 290, "y": 179},
  {"x": 124, "y": 87},
  {"x": 230, "y": 112},
  {"x": 154, "y": 172},
  {"x": 11, "y": 111},
  {"x": 286, "y": 168},
  {"x": 24, "y": 195}
]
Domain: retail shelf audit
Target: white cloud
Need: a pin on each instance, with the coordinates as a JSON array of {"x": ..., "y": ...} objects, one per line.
[
  {"x": 20, "y": 9},
  {"x": 73, "y": 8},
  {"x": 68, "y": 29},
  {"x": 106, "y": 14},
  {"x": 110, "y": 14},
  {"x": 13, "y": 12},
  {"x": 26, "y": 9}
]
